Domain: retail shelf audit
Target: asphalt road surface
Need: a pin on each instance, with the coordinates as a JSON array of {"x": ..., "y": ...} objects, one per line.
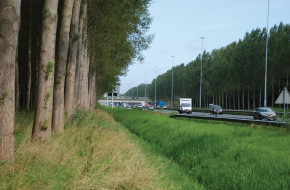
[{"x": 208, "y": 115}]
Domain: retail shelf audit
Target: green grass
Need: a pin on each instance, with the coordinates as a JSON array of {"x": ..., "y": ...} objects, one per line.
[
  {"x": 95, "y": 152},
  {"x": 218, "y": 155}
]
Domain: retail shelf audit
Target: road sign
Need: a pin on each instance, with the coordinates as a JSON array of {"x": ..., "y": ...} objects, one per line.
[{"x": 284, "y": 97}]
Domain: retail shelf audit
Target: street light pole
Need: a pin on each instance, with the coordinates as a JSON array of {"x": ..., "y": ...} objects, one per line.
[
  {"x": 201, "y": 71},
  {"x": 265, "y": 88},
  {"x": 155, "y": 91},
  {"x": 172, "y": 84},
  {"x": 145, "y": 88}
]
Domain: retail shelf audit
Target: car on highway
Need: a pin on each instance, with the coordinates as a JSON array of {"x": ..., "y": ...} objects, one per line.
[
  {"x": 216, "y": 109},
  {"x": 150, "y": 107},
  {"x": 264, "y": 113}
]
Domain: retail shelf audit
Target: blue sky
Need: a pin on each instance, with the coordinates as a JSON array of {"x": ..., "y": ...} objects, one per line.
[{"x": 179, "y": 24}]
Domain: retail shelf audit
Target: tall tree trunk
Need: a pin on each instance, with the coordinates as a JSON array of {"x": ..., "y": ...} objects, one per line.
[
  {"x": 234, "y": 100},
  {"x": 223, "y": 99},
  {"x": 279, "y": 87},
  {"x": 287, "y": 84},
  {"x": 273, "y": 91},
  {"x": 72, "y": 56},
  {"x": 43, "y": 113},
  {"x": 254, "y": 97},
  {"x": 239, "y": 107},
  {"x": 92, "y": 91},
  {"x": 28, "y": 89},
  {"x": 248, "y": 97},
  {"x": 206, "y": 96},
  {"x": 260, "y": 98},
  {"x": 16, "y": 83},
  {"x": 219, "y": 98},
  {"x": 226, "y": 101},
  {"x": 82, "y": 98},
  {"x": 243, "y": 99},
  {"x": 213, "y": 98},
  {"x": 61, "y": 60},
  {"x": 230, "y": 103},
  {"x": 77, "y": 94},
  {"x": 9, "y": 29}
]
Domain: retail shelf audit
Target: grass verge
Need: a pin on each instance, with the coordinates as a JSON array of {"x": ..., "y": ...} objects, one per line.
[
  {"x": 94, "y": 153},
  {"x": 218, "y": 155}
]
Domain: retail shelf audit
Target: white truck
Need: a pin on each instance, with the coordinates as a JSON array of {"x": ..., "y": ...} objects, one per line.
[{"x": 185, "y": 105}]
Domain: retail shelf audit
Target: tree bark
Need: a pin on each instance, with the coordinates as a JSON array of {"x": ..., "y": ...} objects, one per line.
[
  {"x": 43, "y": 113},
  {"x": 28, "y": 89},
  {"x": 273, "y": 91},
  {"x": 79, "y": 60},
  {"x": 248, "y": 97},
  {"x": 72, "y": 56},
  {"x": 60, "y": 69},
  {"x": 82, "y": 93},
  {"x": 260, "y": 98},
  {"x": 9, "y": 29},
  {"x": 239, "y": 107},
  {"x": 226, "y": 100},
  {"x": 243, "y": 98},
  {"x": 16, "y": 83},
  {"x": 254, "y": 97},
  {"x": 92, "y": 91},
  {"x": 223, "y": 99},
  {"x": 234, "y": 100},
  {"x": 230, "y": 103},
  {"x": 219, "y": 98}
]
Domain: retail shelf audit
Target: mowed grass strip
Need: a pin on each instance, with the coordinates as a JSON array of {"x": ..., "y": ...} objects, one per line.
[
  {"x": 95, "y": 152},
  {"x": 218, "y": 155}
]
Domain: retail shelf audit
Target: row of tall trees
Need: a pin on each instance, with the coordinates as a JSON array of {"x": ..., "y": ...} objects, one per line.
[
  {"x": 59, "y": 55},
  {"x": 233, "y": 76}
]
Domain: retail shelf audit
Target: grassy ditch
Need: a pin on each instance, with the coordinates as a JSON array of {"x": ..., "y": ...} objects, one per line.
[
  {"x": 95, "y": 152},
  {"x": 218, "y": 155}
]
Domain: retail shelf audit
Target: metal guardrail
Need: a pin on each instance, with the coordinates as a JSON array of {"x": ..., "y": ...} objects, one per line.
[
  {"x": 244, "y": 112},
  {"x": 271, "y": 123}
]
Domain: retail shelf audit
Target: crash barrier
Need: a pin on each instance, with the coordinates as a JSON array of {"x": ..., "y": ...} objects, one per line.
[{"x": 249, "y": 121}]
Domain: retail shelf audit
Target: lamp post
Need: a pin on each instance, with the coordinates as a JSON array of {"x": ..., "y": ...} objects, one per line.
[
  {"x": 155, "y": 85},
  {"x": 172, "y": 84},
  {"x": 201, "y": 71},
  {"x": 145, "y": 88},
  {"x": 155, "y": 91},
  {"x": 265, "y": 88}
]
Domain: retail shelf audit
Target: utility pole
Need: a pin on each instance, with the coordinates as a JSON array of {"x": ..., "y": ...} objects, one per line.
[
  {"x": 145, "y": 88},
  {"x": 201, "y": 72},
  {"x": 155, "y": 91},
  {"x": 265, "y": 88},
  {"x": 172, "y": 84}
]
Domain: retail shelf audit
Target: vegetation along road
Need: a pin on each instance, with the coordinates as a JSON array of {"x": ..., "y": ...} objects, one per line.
[{"x": 218, "y": 155}]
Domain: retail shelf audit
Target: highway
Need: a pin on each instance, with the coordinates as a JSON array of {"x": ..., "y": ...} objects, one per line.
[{"x": 224, "y": 117}]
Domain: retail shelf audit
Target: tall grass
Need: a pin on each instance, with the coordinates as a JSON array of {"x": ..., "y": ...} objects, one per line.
[
  {"x": 93, "y": 153},
  {"x": 218, "y": 155}
]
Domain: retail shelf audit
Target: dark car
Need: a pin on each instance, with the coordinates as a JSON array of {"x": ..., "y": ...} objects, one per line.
[
  {"x": 216, "y": 109},
  {"x": 264, "y": 113}
]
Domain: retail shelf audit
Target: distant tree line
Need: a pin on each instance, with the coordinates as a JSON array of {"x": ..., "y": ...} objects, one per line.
[
  {"x": 233, "y": 76},
  {"x": 60, "y": 55}
]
